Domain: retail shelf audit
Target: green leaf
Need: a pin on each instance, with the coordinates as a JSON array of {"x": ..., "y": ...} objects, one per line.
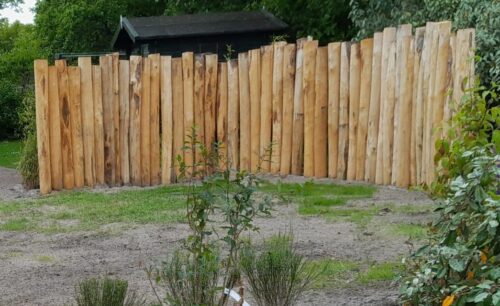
[
  {"x": 480, "y": 297},
  {"x": 457, "y": 264}
]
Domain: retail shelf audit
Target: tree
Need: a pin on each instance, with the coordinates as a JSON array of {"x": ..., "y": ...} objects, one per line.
[
  {"x": 86, "y": 25},
  {"x": 18, "y": 48},
  {"x": 9, "y": 3},
  {"x": 370, "y": 16}
]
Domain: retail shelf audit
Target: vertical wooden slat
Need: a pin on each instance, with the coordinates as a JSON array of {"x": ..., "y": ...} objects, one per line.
[
  {"x": 55, "y": 130},
  {"x": 266, "y": 106},
  {"x": 136, "y": 63},
  {"x": 430, "y": 58},
  {"x": 416, "y": 132},
  {"x": 188, "y": 85},
  {"x": 244, "y": 113},
  {"x": 382, "y": 172},
  {"x": 333, "y": 106},
  {"x": 233, "y": 106},
  {"x": 449, "y": 105},
  {"x": 42, "y": 122},
  {"x": 298, "y": 113},
  {"x": 388, "y": 116},
  {"x": 374, "y": 112},
  {"x": 277, "y": 105},
  {"x": 85, "y": 64},
  {"x": 124, "y": 120},
  {"x": 65, "y": 116},
  {"x": 210, "y": 105},
  {"x": 354, "y": 87},
  {"x": 287, "y": 123},
  {"x": 441, "y": 85},
  {"x": 198, "y": 97},
  {"x": 166, "y": 119},
  {"x": 364, "y": 106},
  {"x": 146, "y": 123},
  {"x": 76, "y": 125},
  {"x": 178, "y": 112},
  {"x": 343, "y": 111},
  {"x": 222, "y": 110},
  {"x": 98, "y": 125},
  {"x": 403, "y": 31},
  {"x": 464, "y": 67},
  {"x": 254, "y": 75},
  {"x": 108, "y": 119},
  {"x": 403, "y": 134},
  {"x": 321, "y": 114},
  {"x": 308, "y": 83},
  {"x": 155, "y": 119},
  {"x": 115, "y": 63}
]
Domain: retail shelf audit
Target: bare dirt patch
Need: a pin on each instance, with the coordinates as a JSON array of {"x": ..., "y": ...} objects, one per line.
[{"x": 40, "y": 269}]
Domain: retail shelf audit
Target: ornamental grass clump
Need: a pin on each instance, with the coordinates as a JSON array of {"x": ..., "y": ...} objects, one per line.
[
  {"x": 278, "y": 275},
  {"x": 106, "y": 292}
]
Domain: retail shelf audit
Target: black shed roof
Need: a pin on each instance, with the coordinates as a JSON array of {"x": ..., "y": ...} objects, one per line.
[{"x": 141, "y": 28}]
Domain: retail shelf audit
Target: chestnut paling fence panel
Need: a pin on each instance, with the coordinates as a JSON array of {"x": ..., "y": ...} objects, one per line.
[{"x": 366, "y": 111}]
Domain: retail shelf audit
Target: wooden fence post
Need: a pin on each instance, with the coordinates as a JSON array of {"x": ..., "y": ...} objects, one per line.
[
  {"x": 321, "y": 114},
  {"x": 188, "y": 85},
  {"x": 222, "y": 92},
  {"x": 108, "y": 119},
  {"x": 277, "y": 105},
  {"x": 115, "y": 64},
  {"x": 124, "y": 121},
  {"x": 85, "y": 64},
  {"x": 364, "y": 106},
  {"x": 244, "y": 112},
  {"x": 333, "y": 106},
  {"x": 167, "y": 134},
  {"x": 198, "y": 98},
  {"x": 374, "y": 110},
  {"x": 76, "y": 125},
  {"x": 154, "y": 60},
  {"x": 210, "y": 100},
  {"x": 146, "y": 123},
  {"x": 177, "y": 112},
  {"x": 55, "y": 130},
  {"x": 254, "y": 76},
  {"x": 343, "y": 137},
  {"x": 298, "y": 113},
  {"x": 354, "y": 87},
  {"x": 308, "y": 84},
  {"x": 136, "y": 63},
  {"x": 287, "y": 118},
  {"x": 233, "y": 107},
  {"x": 42, "y": 122},
  {"x": 266, "y": 106}
]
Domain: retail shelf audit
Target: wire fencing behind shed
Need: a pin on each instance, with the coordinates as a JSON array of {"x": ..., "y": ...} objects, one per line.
[{"x": 368, "y": 111}]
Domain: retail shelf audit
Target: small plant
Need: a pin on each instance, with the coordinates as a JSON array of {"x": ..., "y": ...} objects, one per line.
[
  {"x": 229, "y": 53},
  {"x": 106, "y": 292},
  {"x": 192, "y": 275},
  {"x": 28, "y": 164},
  {"x": 278, "y": 275}
]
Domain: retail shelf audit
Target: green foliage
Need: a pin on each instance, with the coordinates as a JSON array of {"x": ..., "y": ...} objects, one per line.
[
  {"x": 370, "y": 16},
  {"x": 326, "y": 20},
  {"x": 474, "y": 125},
  {"x": 18, "y": 48},
  {"x": 106, "y": 292},
  {"x": 9, "y": 3},
  {"x": 10, "y": 152},
  {"x": 278, "y": 275},
  {"x": 86, "y": 25},
  {"x": 461, "y": 263}
]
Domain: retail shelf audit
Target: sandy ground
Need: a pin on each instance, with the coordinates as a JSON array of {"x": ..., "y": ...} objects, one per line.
[
  {"x": 11, "y": 187},
  {"x": 39, "y": 269}
]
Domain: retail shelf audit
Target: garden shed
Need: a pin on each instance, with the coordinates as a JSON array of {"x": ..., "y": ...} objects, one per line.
[{"x": 200, "y": 33}]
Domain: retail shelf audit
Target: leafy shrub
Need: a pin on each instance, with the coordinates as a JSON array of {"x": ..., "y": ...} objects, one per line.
[
  {"x": 278, "y": 275},
  {"x": 461, "y": 264},
  {"x": 473, "y": 125},
  {"x": 28, "y": 164},
  {"x": 370, "y": 16},
  {"x": 106, "y": 292}
]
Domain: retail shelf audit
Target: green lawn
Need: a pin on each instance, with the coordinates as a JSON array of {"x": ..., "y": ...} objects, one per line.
[{"x": 10, "y": 153}]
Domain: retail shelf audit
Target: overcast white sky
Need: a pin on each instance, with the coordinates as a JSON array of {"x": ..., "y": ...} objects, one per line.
[{"x": 22, "y": 14}]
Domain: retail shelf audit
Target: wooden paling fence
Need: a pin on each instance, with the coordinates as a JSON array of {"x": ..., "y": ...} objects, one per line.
[{"x": 368, "y": 111}]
